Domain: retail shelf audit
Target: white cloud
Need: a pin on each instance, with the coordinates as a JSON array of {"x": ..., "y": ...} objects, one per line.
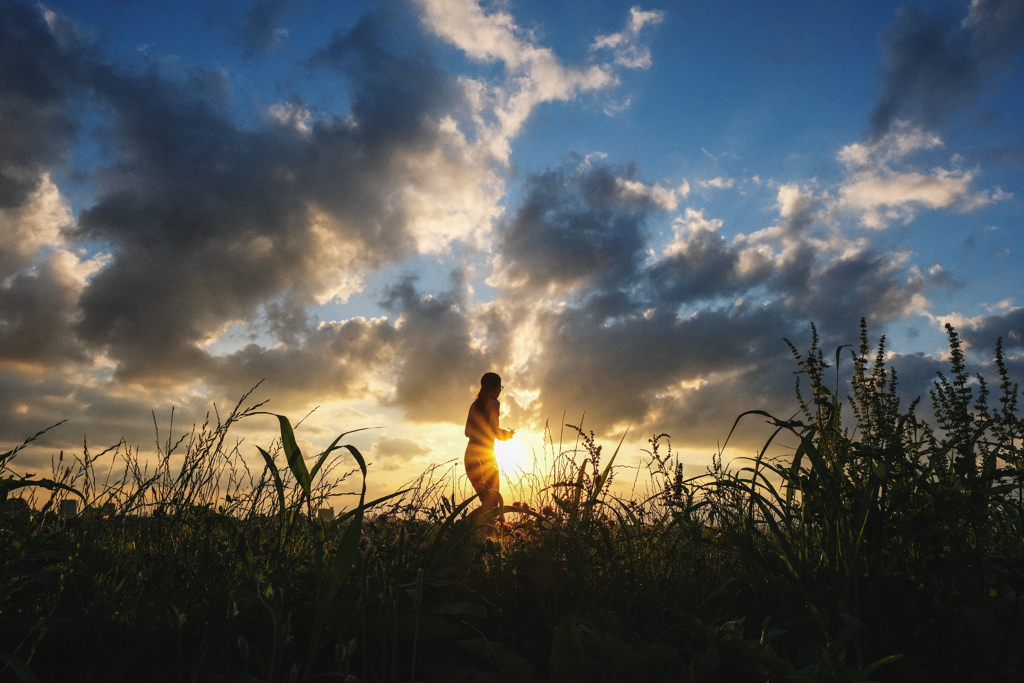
[
  {"x": 903, "y": 139},
  {"x": 718, "y": 183},
  {"x": 882, "y": 192},
  {"x": 36, "y": 224},
  {"x": 666, "y": 198},
  {"x": 688, "y": 228},
  {"x": 628, "y": 51},
  {"x": 883, "y": 195},
  {"x": 959, "y": 321},
  {"x": 793, "y": 200},
  {"x": 533, "y": 73},
  {"x": 292, "y": 115}
]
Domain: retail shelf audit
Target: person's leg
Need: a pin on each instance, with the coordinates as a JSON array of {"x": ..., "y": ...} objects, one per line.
[
  {"x": 490, "y": 497},
  {"x": 482, "y": 470},
  {"x": 475, "y": 471}
]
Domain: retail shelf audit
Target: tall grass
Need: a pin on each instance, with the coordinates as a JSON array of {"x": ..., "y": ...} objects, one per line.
[{"x": 859, "y": 543}]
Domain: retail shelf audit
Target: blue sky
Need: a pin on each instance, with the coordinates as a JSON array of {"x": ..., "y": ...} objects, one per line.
[{"x": 623, "y": 209}]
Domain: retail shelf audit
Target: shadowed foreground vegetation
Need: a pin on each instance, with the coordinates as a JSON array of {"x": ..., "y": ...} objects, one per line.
[{"x": 880, "y": 547}]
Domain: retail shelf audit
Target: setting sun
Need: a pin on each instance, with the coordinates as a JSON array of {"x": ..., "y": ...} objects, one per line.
[{"x": 514, "y": 455}]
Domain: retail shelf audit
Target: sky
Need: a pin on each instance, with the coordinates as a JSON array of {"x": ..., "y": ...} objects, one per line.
[{"x": 625, "y": 210}]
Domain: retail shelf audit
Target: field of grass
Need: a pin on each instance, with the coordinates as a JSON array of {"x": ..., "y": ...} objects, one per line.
[{"x": 880, "y": 546}]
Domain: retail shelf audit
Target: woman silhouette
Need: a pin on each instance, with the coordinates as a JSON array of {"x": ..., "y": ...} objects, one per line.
[{"x": 482, "y": 429}]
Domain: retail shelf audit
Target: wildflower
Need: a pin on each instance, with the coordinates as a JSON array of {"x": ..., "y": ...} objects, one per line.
[
  {"x": 364, "y": 541},
  {"x": 506, "y": 527},
  {"x": 518, "y": 533},
  {"x": 517, "y": 504},
  {"x": 424, "y": 547},
  {"x": 382, "y": 517},
  {"x": 547, "y": 510}
]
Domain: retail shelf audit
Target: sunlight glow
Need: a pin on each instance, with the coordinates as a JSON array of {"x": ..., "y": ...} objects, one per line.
[{"x": 514, "y": 456}]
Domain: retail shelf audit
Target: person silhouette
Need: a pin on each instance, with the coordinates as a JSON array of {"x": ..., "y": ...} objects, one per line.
[{"x": 482, "y": 430}]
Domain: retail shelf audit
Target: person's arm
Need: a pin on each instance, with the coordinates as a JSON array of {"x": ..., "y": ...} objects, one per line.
[{"x": 499, "y": 433}]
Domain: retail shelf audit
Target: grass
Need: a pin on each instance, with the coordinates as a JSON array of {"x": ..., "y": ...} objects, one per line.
[{"x": 860, "y": 543}]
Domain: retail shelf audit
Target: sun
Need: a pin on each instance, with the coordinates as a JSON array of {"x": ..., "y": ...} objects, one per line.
[{"x": 513, "y": 455}]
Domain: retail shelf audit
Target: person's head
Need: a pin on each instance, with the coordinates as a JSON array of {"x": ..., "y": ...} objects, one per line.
[{"x": 490, "y": 385}]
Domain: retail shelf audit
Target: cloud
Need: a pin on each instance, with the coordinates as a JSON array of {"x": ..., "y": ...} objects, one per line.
[
  {"x": 260, "y": 30},
  {"x": 718, "y": 183},
  {"x": 395, "y": 452},
  {"x": 37, "y": 221},
  {"x": 209, "y": 224},
  {"x": 533, "y": 74},
  {"x": 626, "y": 45},
  {"x": 669, "y": 340},
  {"x": 576, "y": 226},
  {"x": 882, "y": 194},
  {"x": 997, "y": 27},
  {"x": 337, "y": 360},
  {"x": 981, "y": 332},
  {"x": 437, "y": 363},
  {"x": 936, "y": 65},
  {"x": 38, "y": 310},
  {"x": 41, "y": 77}
]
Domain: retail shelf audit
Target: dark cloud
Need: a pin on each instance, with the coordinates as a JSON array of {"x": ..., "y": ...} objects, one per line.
[
  {"x": 398, "y": 92},
  {"x": 336, "y": 360},
  {"x": 575, "y": 227},
  {"x": 649, "y": 369},
  {"x": 982, "y": 333},
  {"x": 707, "y": 268},
  {"x": 437, "y": 363},
  {"x": 686, "y": 341},
  {"x": 38, "y": 308},
  {"x": 997, "y": 27},
  {"x": 935, "y": 64},
  {"x": 843, "y": 290},
  {"x": 260, "y": 29},
  {"x": 209, "y": 222},
  {"x": 93, "y": 415},
  {"x": 40, "y": 74}
]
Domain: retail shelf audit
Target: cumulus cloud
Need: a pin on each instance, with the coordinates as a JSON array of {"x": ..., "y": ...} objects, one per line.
[
  {"x": 981, "y": 332},
  {"x": 203, "y": 224},
  {"x": 667, "y": 339},
  {"x": 209, "y": 224},
  {"x": 576, "y": 226},
  {"x": 38, "y": 309},
  {"x": 437, "y": 362},
  {"x": 338, "y": 360},
  {"x": 881, "y": 193},
  {"x": 37, "y": 221}
]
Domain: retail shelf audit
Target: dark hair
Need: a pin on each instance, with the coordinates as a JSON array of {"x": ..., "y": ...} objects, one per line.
[{"x": 487, "y": 382}]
